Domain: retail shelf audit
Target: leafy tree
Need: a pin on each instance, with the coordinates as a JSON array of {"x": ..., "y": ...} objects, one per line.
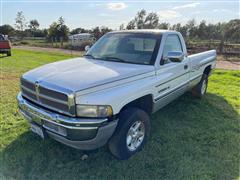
[
  {"x": 202, "y": 30},
  {"x": 164, "y": 25},
  {"x": 6, "y": 29},
  {"x": 121, "y": 27},
  {"x": 131, "y": 25},
  {"x": 58, "y": 30},
  {"x": 20, "y": 21},
  {"x": 52, "y": 31},
  {"x": 191, "y": 28},
  {"x": 40, "y": 33},
  {"x": 105, "y": 30},
  {"x": 182, "y": 29},
  {"x": 232, "y": 30},
  {"x": 78, "y": 30},
  {"x": 140, "y": 19},
  {"x": 144, "y": 21},
  {"x": 62, "y": 29},
  {"x": 96, "y": 32},
  {"x": 33, "y": 25},
  {"x": 151, "y": 21},
  {"x": 100, "y": 31}
]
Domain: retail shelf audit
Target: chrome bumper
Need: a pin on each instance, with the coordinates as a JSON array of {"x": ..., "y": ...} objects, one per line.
[
  {"x": 76, "y": 132},
  {"x": 5, "y": 50}
]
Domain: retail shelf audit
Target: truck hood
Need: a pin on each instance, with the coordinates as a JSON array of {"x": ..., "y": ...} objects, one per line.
[{"x": 81, "y": 73}]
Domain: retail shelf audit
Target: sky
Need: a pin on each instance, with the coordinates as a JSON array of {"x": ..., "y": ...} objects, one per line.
[{"x": 89, "y": 14}]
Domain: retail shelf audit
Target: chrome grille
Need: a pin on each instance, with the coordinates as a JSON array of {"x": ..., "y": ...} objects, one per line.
[
  {"x": 54, "y": 94},
  {"x": 54, "y": 100}
]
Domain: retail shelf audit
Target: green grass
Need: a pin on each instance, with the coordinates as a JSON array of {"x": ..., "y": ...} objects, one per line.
[{"x": 190, "y": 138}]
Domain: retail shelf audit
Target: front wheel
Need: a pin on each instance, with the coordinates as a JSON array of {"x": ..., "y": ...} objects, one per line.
[
  {"x": 131, "y": 134},
  {"x": 201, "y": 88}
]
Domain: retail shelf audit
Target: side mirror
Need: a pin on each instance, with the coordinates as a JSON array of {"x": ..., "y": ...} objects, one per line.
[
  {"x": 87, "y": 48},
  {"x": 175, "y": 56}
]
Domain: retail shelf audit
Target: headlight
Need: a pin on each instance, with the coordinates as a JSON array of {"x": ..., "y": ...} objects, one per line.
[{"x": 94, "y": 111}]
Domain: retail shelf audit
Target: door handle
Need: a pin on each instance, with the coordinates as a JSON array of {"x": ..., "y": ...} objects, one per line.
[{"x": 185, "y": 66}]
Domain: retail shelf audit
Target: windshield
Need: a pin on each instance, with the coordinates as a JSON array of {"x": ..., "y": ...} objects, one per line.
[{"x": 126, "y": 47}]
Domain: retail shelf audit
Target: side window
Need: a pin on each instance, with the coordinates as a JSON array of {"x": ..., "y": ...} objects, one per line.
[{"x": 172, "y": 44}]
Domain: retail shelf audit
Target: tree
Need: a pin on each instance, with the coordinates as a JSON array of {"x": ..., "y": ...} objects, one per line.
[
  {"x": 52, "y": 31},
  {"x": 191, "y": 29},
  {"x": 78, "y": 30},
  {"x": 7, "y": 30},
  {"x": 62, "y": 29},
  {"x": 58, "y": 30},
  {"x": 105, "y": 30},
  {"x": 96, "y": 32},
  {"x": 99, "y": 32},
  {"x": 33, "y": 25},
  {"x": 20, "y": 22},
  {"x": 202, "y": 30},
  {"x": 164, "y": 25},
  {"x": 182, "y": 29},
  {"x": 121, "y": 27},
  {"x": 140, "y": 19},
  {"x": 131, "y": 25},
  {"x": 232, "y": 30},
  {"x": 151, "y": 21},
  {"x": 144, "y": 21}
]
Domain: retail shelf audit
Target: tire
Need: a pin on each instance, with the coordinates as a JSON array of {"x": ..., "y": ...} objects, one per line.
[
  {"x": 9, "y": 53},
  {"x": 128, "y": 120},
  {"x": 201, "y": 88}
]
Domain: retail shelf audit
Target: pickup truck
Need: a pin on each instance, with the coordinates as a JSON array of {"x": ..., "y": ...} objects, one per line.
[
  {"x": 107, "y": 96},
  {"x": 5, "y": 45}
]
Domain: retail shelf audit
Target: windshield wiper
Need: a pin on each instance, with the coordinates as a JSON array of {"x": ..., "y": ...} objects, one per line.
[
  {"x": 114, "y": 59},
  {"x": 89, "y": 55}
]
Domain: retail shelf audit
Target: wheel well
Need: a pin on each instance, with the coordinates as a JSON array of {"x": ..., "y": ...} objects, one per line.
[
  {"x": 207, "y": 70},
  {"x": 145, "y": 103}
]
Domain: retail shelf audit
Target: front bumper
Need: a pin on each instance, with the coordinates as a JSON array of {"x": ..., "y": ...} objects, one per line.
[{"x": 85, "y": 134}]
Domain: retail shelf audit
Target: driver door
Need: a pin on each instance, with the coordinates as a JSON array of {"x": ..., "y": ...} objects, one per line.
[{"x": 172, "y": 77}]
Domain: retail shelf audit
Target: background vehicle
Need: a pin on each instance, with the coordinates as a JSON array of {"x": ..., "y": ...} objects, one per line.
[
  {"x": 5, "y": 45},
  {"x": 80, "y": 40},
  {"x": 108, "y": 96}
]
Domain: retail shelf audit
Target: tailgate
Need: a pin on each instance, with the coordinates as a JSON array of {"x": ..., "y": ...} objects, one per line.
[{"x": 4, "y": 45}]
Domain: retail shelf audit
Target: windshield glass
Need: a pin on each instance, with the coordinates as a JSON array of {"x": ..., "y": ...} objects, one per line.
[{"x": 125, "y": 47}]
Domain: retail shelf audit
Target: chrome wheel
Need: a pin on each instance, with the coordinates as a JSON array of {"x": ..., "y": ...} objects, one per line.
[
  {"x": 204, "y": 86},
  {"x": 135, "y": 135}
]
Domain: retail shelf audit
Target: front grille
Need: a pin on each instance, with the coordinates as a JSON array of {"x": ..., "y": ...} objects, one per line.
[
  {"x": 54, "y": 94},
  {"x": 29, "y": 94},
  {"x": 54, "y": 100},
  {"x": 28, "y": 85}
]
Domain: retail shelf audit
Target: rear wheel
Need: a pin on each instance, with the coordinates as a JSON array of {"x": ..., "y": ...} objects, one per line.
[
  {"x": 9, "y": 53},
  {"x": 131, "y": 134},
  {"x": 201, "y": 88}
]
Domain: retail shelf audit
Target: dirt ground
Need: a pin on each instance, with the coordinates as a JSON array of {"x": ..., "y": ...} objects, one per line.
[{"x": 229, "y": 65}]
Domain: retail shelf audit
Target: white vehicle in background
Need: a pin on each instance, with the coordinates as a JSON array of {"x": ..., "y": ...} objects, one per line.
[
  {"x": 81, "y": 40},
  {"x": 107, "y": 96}
]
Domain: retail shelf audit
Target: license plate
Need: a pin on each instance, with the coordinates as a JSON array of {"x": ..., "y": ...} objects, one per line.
[{"x": 37, "y": 130}]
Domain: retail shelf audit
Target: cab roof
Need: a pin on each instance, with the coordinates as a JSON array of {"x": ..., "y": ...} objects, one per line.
[{"x": 148, "y": 31}]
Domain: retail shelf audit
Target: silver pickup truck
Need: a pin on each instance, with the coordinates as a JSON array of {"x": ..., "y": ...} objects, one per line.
[{"x": 107, "y": 96}]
